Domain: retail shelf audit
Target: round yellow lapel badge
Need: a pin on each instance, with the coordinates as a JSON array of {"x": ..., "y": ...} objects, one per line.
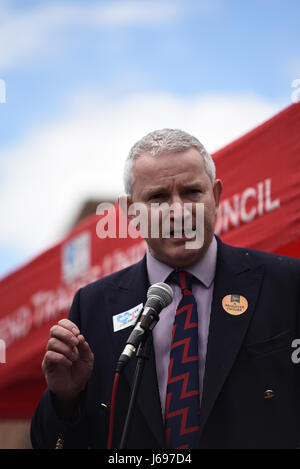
[{"x": 235, "y": 304}]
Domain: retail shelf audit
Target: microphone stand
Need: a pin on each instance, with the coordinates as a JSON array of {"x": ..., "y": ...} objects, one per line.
[{"x": 142, "y": 355}]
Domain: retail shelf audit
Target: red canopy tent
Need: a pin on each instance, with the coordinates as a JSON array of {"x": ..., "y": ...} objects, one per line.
[
  {"x": 260, "y": 205},
  {"x": 260, "y": 209}
]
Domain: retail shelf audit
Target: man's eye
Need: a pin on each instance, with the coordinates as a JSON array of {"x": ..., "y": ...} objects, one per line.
[
  {"x": 194, "y": 191},
  {"x": 156, "y": 196}
]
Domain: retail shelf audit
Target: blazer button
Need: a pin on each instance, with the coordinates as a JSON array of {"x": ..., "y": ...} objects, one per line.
[
  {"x": 269, "y": 393},
  {"x": 59, "y": 442},
  {"x": 104, "y": 407}
]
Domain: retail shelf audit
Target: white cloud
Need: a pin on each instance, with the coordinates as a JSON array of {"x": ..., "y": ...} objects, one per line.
[
  {"x": 145, "y": 12},
  {"x": 48, "y": 174},
  {"x": 40, "y": 31}
]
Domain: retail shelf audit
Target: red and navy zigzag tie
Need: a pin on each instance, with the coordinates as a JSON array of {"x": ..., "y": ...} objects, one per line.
[{"x": 182, "y": 399}]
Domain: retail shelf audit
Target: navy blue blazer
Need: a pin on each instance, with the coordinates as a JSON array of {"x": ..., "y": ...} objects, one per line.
[{"x": 251, "y": 390}]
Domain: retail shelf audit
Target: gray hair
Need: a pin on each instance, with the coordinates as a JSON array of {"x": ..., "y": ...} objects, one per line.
[{"x": 161, "y": 141}]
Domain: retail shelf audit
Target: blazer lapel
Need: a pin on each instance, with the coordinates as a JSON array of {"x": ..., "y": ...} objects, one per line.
[
  {"x": 131, "y": 290},
  {"x": 234, "y": 275}
]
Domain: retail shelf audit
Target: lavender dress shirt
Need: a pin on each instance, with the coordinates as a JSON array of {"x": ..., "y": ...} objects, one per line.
[{"x": 204, "y": 271}]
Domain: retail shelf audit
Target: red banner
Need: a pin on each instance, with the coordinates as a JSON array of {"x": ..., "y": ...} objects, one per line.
[{"x": 261, "y": 174}]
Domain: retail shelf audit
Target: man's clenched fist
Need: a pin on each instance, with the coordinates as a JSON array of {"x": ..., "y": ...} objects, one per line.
[{"x": 68, "y": 362}]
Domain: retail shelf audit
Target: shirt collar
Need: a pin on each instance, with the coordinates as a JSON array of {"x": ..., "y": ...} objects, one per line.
[{"x": 204, "y": 269}]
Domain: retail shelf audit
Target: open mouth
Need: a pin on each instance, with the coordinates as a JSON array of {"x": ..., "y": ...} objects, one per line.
[{"x": 186, "y": 235}]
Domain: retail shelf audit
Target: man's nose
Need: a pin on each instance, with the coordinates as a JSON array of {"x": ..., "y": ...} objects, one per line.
[
  {"x": 176, "y": 199},
  {"x": 177, "y": 204}
]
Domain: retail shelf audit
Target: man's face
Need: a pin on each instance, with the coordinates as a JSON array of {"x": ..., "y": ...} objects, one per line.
[{"x": 176, "y": 178}]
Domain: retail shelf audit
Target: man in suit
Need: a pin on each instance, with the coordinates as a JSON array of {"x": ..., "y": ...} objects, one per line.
[{"x": 246, "y": 304}]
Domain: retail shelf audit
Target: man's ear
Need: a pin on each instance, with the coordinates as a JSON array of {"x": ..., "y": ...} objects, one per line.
[{"x": 217, "y": 190}]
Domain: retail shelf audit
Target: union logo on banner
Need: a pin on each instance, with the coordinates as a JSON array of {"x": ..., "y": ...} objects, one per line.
[{"x": 76, "y": 256}]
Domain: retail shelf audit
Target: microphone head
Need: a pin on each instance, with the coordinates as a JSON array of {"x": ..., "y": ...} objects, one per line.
[{"x": 162, "y": 292}]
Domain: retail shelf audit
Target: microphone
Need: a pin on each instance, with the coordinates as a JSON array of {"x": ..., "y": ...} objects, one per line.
[{"x": 159, "y": 296}]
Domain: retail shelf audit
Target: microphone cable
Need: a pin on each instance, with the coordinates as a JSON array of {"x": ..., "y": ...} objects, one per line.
[{"x": 112, "y": 410}]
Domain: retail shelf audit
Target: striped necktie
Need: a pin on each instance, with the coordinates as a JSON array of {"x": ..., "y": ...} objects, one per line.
[{"x": 182, "y": 398}]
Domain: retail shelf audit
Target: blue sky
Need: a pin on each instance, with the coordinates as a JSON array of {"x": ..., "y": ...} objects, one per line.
[{"x": 85, "y": 79}]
